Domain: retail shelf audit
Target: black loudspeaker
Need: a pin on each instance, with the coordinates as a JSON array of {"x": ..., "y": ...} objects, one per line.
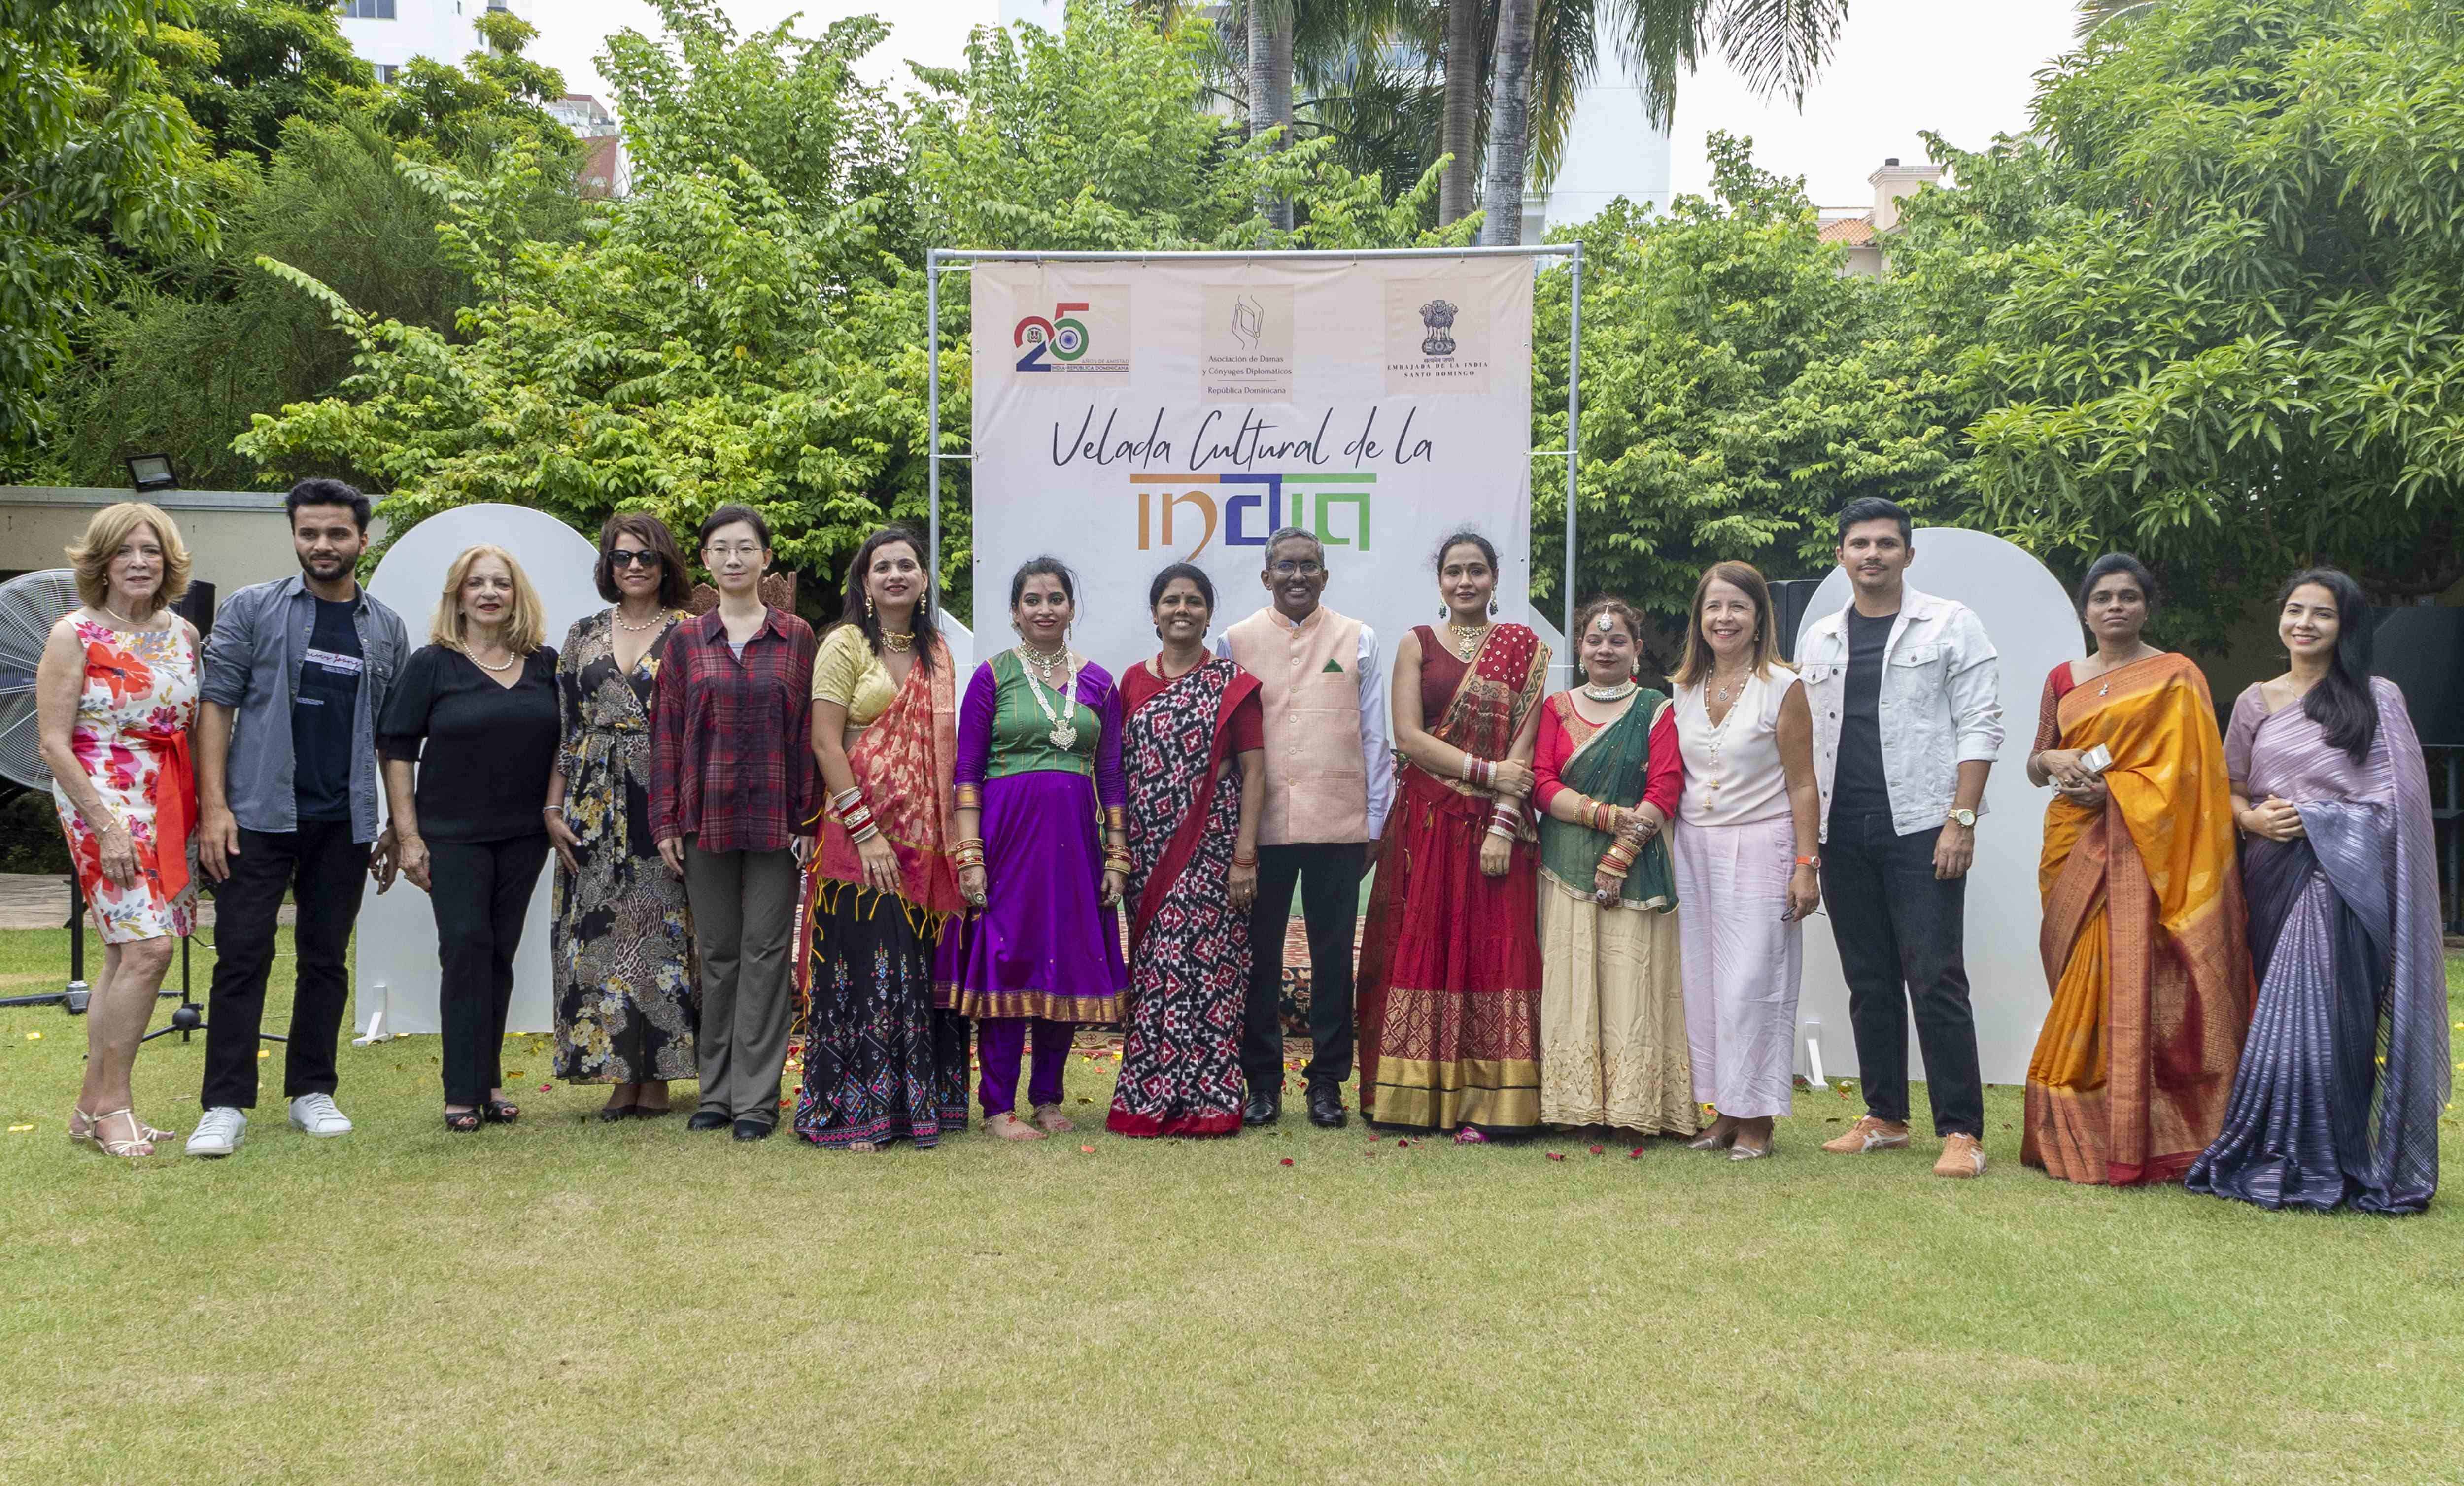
[
  {"x": 197, "y": 606},
  {"x": 1791, "y": 598},
  {"x": 2422, "y": 651}
]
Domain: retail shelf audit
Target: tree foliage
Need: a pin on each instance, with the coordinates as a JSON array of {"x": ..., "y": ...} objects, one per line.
[
  {"x": 194, "y": 342},
  {"x": 96, "y": 156},
  {"x": 2215, "y": 316},
  {"x": 1736, "y": 390},
  {"x": 721, "y": 335}
]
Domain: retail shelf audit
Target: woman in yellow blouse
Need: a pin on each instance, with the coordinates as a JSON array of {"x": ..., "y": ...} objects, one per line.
[{"x": 881, "y": 1059}]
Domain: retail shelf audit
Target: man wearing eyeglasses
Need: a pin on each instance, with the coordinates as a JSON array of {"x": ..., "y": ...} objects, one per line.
[{"x": 1330, "y": 778}]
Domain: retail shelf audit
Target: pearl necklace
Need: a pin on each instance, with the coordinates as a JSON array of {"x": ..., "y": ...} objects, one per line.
[
  {"x": 510, "y": 658},
  {"x": 657, "y": 621},
  {"x": 1467, "y": 638},
  {"x": 1044, "y": 668},
  {"x": 1065, "y": 727}
]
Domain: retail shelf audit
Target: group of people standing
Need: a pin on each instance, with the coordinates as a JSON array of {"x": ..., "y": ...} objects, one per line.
[{"x": 1587, "y": 907}]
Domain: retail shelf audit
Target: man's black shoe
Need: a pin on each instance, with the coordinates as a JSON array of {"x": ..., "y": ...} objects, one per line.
[
  {"x": 1262, "y": 1109},
  {"x": 754, "y": 1129},
  {"x": 1326, "y": 1107},
  {"x": 708, "y": 1120}
]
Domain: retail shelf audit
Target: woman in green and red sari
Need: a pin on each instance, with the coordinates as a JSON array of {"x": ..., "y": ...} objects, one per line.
[
  {"x": 1193, "y": 745},
  {"x": 1449, "y": 978}
]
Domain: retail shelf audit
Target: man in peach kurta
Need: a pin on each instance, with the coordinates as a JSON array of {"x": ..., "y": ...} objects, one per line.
[{"x": 1330, "y": 778}]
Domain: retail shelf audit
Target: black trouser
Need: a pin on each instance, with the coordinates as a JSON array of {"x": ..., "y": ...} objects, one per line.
[
  {"x": 481, "y": 892},
  {"x": 1329, "y": 875},
  {"x": 1898, "y": 926},
  {"x": 326, "y": 871}
]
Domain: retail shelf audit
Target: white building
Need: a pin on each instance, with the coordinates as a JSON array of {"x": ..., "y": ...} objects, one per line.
[
  {"x": 1613, "y": 150},
  {"x": 390, "y": 33}
]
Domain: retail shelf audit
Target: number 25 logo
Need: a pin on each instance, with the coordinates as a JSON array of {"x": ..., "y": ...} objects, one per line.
[{"x": 1062, "y": 338}]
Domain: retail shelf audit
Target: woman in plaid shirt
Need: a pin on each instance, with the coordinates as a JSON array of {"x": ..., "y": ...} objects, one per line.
[{"x": 734, "y": 794}]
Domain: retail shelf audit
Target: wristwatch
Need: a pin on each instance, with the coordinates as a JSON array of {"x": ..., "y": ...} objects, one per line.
[{"x": 1966, "y": 817}]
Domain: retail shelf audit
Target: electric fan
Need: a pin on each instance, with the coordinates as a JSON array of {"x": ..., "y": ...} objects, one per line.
[{"x": 30, "y": 605}]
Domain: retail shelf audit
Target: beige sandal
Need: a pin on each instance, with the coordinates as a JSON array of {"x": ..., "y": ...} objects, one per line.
[
  {"x": 141, "y": 1145},
  {"x": 81, "y": 1126},
  {"x": 1007, "y": 1126},
  {"x": 1049, "y": 1119}
]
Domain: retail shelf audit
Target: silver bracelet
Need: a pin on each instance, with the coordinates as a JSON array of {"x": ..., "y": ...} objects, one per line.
[{"x": 551, "y": 810}]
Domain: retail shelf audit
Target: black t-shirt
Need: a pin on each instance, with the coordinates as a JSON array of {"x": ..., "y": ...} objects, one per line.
[
  {"x": 324, "y": 706},
  {"x": 484, "y": 751},
  {"x": 1858, "y": 786}
]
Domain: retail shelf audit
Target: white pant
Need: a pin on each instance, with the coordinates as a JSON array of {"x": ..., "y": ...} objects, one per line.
[{"x": 1742, "y": 963}]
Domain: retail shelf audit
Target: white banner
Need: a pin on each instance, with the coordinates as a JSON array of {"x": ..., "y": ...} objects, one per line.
[{"x": 1129, "y": 415}]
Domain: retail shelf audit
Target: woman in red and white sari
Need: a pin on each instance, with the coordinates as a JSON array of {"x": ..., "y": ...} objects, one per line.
[
  {"x": 1193, "y": 746},
  {"x": 1450, "y": 978}
]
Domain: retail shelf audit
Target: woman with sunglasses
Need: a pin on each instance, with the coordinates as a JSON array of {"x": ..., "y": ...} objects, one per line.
[{"x": 627, "y": 997}]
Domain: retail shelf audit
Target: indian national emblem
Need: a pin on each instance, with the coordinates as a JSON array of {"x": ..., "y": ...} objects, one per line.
[{"x": 1440, "y": 318}]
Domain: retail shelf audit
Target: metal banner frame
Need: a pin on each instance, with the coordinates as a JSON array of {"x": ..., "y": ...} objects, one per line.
[{"x": 938, "y": 261}]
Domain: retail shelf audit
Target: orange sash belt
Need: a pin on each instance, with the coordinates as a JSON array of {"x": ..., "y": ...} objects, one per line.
[{"x": 175, "y": 805}]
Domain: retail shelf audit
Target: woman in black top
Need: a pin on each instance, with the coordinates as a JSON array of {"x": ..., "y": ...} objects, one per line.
[{"x": 481, "y": 697}]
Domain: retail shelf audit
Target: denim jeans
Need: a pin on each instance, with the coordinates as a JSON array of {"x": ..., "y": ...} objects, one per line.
[{"x": 1900, "y": 935}]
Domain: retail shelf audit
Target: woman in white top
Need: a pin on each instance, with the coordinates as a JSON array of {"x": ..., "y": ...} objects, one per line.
[{"x": 1745, "y": 857}]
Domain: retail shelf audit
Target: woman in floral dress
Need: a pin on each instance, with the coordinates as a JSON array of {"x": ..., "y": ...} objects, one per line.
[
  {"x": 627, "y": 991},
  {"x": 116, "y": 693}
]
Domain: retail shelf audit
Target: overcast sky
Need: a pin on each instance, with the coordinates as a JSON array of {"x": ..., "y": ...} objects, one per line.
[{"x": 1959, "y": 68}]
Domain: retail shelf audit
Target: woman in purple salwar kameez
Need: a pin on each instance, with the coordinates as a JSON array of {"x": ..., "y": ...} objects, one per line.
[
  {"x": 2345, "y": 1070},
  {"x": 1039, "y": 748}
]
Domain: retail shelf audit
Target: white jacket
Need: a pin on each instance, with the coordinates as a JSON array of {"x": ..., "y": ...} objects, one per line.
[{"x": 1941, "y": 704}]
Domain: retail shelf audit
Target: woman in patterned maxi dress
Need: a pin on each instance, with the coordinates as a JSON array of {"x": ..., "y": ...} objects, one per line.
[
  {"x": 627, "y": 985},
  {"x": 115, "y": 694},
  {"x": 1193, "y": 749}
]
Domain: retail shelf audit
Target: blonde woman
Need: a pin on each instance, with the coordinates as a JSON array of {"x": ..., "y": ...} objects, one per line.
[
  {"x": 115, "y": 695},
  {"x": 475, "y": 711},
  {"x": 1745, "y": 847}
]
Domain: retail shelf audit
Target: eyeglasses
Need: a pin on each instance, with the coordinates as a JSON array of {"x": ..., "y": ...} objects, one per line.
[
  {"x": 1304, "y": 568},
  {"x": 628, "y": 558},
  {"x": 746, "y": 549}
]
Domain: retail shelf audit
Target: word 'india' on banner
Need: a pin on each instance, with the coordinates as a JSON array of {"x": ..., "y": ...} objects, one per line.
[{"x": 1132, "y": 414}]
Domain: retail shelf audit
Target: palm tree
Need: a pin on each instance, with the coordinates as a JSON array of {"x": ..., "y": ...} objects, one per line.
[{"x": 1777, "y": 45}]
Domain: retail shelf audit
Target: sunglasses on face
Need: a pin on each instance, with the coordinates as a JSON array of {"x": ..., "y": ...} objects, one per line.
[{"x": 629, "y": 558}]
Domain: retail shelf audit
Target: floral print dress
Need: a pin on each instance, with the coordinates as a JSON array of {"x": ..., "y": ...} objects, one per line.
[
  {"x": 627, "y": 988},
  {"x": 131, "y": 736}
]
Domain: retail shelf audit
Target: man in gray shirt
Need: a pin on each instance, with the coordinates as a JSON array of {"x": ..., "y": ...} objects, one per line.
[{"x": 296, "y": 672}]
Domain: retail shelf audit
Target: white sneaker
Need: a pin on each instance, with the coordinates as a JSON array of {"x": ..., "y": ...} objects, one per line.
[
  {"x": 315, "y": 1114},
  {"x": 219, "y": 1133}
]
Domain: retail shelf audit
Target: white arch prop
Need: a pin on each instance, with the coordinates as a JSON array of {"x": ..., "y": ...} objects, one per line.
[
  {"x": 395, "y": 964},
  {"x": 2033, "y": 627}
]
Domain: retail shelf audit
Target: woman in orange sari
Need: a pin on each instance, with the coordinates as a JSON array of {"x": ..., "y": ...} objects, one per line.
[
  {"x": 2144, "y": 937},
  {"x": 1449, "y": 985},
  {"x": 883, "y": 1059}
]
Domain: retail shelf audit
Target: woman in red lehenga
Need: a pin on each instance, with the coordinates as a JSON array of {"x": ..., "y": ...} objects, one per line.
[
  {"x": 1193, "y": 746},
  {"x": 1449, "y": 1000}
]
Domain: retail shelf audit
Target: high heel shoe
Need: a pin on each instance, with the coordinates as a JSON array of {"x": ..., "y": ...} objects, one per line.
[
  {"x": 1722, "y": 1135},
  {"x": 141, "y": 1145},
  {"x": 499, "y": 1111}
]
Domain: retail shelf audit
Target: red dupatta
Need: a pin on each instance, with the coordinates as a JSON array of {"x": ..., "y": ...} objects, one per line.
[
  {"x": 1171, "y": 772},
  {"x": 905, "y": 762}
]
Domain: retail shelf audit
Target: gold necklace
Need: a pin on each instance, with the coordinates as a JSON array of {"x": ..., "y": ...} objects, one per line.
[
  {"x": 1064, "y": 723},
  {"x": 899, "y": 641},
  {"x": 1044, "y": 666},
  {"x": 1467, "y": 638}
]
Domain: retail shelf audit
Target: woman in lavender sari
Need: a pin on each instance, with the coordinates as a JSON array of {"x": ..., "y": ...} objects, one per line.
[
  {"x": 1039, "y": 746},
  {"x": 2344, "y": 1075}
]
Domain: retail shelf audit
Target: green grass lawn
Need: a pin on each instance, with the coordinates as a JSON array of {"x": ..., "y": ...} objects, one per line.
[{"x": 570, "y": 1302}]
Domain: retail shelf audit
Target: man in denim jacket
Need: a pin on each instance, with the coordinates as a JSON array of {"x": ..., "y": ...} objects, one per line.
[
  {"x": 296, "y": 672},
  {"x": 1908, "y": 721}
]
